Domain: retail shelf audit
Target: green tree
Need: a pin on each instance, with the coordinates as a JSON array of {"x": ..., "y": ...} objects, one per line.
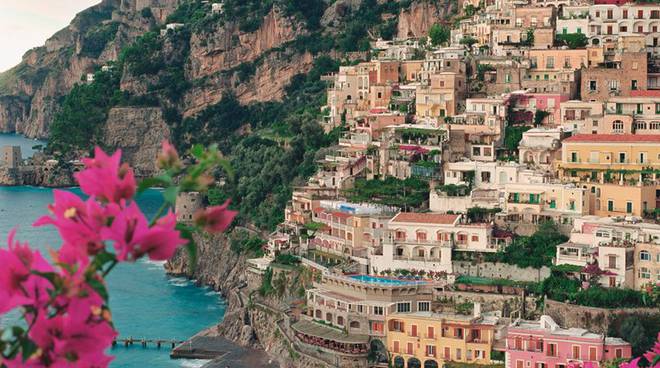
[{"x": 439, "y": 34}]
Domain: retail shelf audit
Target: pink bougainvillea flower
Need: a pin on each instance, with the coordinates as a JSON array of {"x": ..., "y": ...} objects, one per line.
[
  {"x": 632, "y": 364},
  {"x": 105, "y": 178},
  {"x": 168, "y": 157},
  {"x": 18, "y": 284},
  {"x": 76, "y": 338},
  {"x": 133, "y": 237},
  {"x": 215, "y": 219},
  {"x": 79, "y": 223}
]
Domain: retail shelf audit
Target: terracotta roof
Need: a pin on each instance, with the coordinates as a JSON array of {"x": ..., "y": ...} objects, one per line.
[
  {"x": 614, "y": 138},
  {"x": 426, "y": 218}
]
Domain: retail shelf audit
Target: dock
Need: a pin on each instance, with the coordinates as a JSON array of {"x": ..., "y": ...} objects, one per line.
[{"x": 144, "y": 342}]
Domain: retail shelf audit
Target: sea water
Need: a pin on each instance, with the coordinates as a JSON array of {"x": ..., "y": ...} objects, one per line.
[{"x": 145, "y": 302}]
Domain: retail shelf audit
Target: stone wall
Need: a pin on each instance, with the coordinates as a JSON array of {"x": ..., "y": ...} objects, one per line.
[
  {"x": 501, "y": 271},
  {"x": 593, "y": 319},
  {"x": 509, "y": 305}
]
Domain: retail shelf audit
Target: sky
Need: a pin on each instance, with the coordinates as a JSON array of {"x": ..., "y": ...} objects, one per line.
[{"x": 25, "y": 24}]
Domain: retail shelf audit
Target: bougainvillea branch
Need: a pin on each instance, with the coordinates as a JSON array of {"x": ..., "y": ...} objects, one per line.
[{"x": 64, "y": 302}]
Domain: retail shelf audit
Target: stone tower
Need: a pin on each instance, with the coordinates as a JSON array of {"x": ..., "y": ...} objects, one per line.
[{"x": 187, "y": 204}]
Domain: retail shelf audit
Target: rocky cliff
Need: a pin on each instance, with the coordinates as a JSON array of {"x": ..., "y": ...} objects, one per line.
[
  {"x": 139, "y": 132},
  {"x": 29, "y": 93},
  {"x": 417, "y": 20}
]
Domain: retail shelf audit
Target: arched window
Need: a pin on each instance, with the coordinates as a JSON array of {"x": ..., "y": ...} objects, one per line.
[
  {"x": 400, "y": 235},
  {"x": 421, "y": 236},
  {"x": 328, "y": 317},
  {"x": 340, "y": 320},
  {"x": 644, "y": 256},
  {"x": 319, "y": 314}
]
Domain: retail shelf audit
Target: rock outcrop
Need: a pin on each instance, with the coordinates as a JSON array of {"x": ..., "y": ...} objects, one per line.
[
  {"x": 139, "y": 132},
  {"x": 418, "y": 19},
  {"x": 29, "y": 93}
]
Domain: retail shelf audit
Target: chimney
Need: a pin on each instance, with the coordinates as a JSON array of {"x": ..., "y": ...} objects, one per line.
[{"x": 476, "y": 310}]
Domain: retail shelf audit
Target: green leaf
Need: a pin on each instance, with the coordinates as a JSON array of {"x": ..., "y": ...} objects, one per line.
[
  {"x": 99, "y": 287},
  {"x": 103, "y": 259},
  {"x": 158, "y": 181},
  {"x": 197, "y": 151},
  {"x": 50, "y": 276},
  {"x": 170, "y": 194},
  {"x": 28, "y": 348}
]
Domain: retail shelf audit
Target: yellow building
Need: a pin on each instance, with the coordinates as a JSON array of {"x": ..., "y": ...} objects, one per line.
[
  {"x": 427, "y": 339},
  {"x": 647, "y": 264},
  {"x": 620, "y": 171}
]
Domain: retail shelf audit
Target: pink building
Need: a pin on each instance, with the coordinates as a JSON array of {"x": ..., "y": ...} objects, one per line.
[
  {"x": 529, "y": 103},
  {"x": 543, "y": 344}
]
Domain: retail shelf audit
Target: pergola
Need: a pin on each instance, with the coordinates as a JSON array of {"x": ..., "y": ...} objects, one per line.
[{"x": 313, "y": 333}]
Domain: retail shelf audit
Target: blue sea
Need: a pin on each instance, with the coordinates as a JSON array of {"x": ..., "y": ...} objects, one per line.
[{"x": 145, "y": 302}]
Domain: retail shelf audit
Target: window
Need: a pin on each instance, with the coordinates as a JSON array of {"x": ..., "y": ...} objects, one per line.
[
  {"x": 610, "y": 205},
  {"x": 378, "y": 311},
  {"x": 644, "y": 256},
  {"x": 550, "y": 62},
  {"x": 552, "y": 350},
  {"x": 395, "y": 346},
  {"x": 640, "y": 14},
  {"x": 413, "y": 330},
  {"x": 430, "y": 351},
  {"x": 593, "y": 86},
  {"x": 409, "y": 349},
  {"x": 644, "y": 273},
  {"x": 618, "y": 353},
  {"x": 622, "y": 157},
  {"x": 576, "y": 352},
  {"x": 553, "y": 203},
  {"x": 611, "y": 261},
  {"x": 430, "y": 332},
  {"x": 625, "y": 14},
  {"x": 593, "y": 356},
  {"x": 617, "y": 126},
  {"x": 613, "y": 85},
  {"x": 629, "y": 207},
  {"x": 507, "y": 78},
  {"x": 423, "y": 306},
  {"x": 574, "y": 157},
  {"x": 403, "y": 307},
  {"x": 610, "y": 14},
  {"x": 633, "y": 85},
  {"x": 396, "y": 325}
]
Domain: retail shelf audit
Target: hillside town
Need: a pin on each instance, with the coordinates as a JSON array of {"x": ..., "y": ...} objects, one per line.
[{"x": 493, "y": 196}]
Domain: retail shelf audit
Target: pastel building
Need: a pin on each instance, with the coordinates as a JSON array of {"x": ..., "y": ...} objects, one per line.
[
  {"x": 544, "y": 344},
  {"x": 349, "y": 229},
  {"x": 427, "y": 339},
  {"x": 612, "y": 167},
  {"x": 619, "y": 247}
]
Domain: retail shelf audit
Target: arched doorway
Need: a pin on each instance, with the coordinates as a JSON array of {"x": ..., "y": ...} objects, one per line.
[
  {"x": 430, "y": 364},
  {"x": 399, "y": 362},
  {"x": 414, "y": 363}
]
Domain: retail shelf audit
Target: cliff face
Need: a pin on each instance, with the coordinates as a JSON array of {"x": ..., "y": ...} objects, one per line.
[
  {"x": 29, "y": 93},
  {"x": 139, "y": 132},
  {"x": 418, "y": 19}
]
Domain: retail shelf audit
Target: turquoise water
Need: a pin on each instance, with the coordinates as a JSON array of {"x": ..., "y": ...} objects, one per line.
[
  {"x": 17, "y": 140},
  {"x": 144, "y": 301},
  {"x": 383, "y": 280}
]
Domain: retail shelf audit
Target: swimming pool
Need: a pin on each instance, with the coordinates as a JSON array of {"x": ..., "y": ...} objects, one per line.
[{"x": 384, "y": 280}]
